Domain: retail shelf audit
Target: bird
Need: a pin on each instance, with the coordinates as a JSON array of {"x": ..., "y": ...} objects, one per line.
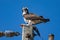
[
  {"x": 36, "y": 30},
  {"x": 31, "y": 18},
  {"x": 10, "y": 33}
]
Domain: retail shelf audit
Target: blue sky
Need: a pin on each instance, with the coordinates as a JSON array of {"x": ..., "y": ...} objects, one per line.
[{"x": 11, "y": 16}]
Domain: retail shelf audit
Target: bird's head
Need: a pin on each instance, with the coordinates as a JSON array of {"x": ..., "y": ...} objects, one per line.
[{"x": 25, "y": 10}]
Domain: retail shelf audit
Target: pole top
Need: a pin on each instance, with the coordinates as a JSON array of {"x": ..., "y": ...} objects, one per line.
[
  {"x": 23, "y": 25},
  {"x": 51, "y": 35}
]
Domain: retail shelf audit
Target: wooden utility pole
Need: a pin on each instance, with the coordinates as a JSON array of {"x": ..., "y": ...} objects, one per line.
[
  {"x": 51, "y": 37},
  {"x": 27, "y": 32}
]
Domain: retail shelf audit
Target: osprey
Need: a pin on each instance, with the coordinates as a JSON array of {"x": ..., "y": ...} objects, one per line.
[
  {"x": 9, "y": 33},
  {"x": 31, "y": 18}
]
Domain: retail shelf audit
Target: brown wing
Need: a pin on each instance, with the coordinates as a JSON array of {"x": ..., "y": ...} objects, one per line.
[
  {"x": 31, "y": 16},
  {"x": 35, "y": 19}
]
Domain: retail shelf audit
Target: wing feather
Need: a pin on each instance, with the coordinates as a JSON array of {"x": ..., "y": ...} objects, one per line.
[
  {"x": 32, "y": 16},
  {"x": 35, "y": 19}
]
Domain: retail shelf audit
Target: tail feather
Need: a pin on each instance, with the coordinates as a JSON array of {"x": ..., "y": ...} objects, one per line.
[
  {"x": 35, "y": 28},
  {"x": 45, "y": 20}
]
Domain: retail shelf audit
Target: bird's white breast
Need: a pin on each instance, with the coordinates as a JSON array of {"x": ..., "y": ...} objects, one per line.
[
  {"x": 26, "y": 21},
  {"x": 24, "y": 13}
]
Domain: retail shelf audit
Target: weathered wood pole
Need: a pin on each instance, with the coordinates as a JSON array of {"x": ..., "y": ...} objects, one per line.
[
  {"x": 27, "y": 32},
  {"x": 51, "y": 37}
]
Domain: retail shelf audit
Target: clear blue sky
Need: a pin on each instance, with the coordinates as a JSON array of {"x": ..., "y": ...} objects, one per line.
[{"x": 11, "y": 16}]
